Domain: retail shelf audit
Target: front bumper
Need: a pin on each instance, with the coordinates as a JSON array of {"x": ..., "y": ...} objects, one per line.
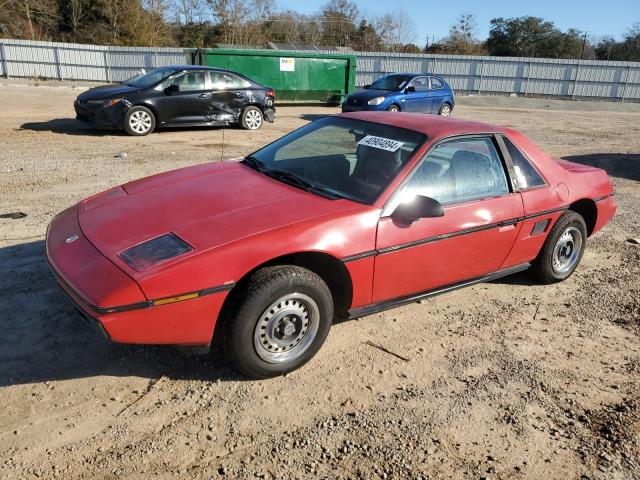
[
  {"x": 99, "y": 116},
  {"x": 113, "y": 302},
  {"x": 363, "y": 107}
]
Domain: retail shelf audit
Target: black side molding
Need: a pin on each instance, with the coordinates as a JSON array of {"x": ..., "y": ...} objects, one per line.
[{"x": 396, "y": 302}]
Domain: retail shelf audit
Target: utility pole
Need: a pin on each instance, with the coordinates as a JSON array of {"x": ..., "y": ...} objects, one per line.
[{"x": 584, "y": 44}]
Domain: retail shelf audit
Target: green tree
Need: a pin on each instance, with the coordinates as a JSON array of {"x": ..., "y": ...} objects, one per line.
[
  {"x": 626, "y": 50},
  {"x": 532, "y": 37}
]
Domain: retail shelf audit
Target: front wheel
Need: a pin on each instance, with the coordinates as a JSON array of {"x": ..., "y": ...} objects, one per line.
[
  {"x": 252, "y": 118},
  {"x": 393, "y": 108},
  {"x": 280, "y": 322},
  {"x": 562, "y": 250},
  {"x": 139, "y": 121}
]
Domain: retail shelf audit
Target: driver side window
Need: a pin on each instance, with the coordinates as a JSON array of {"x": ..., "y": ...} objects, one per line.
[
  {"x": 420, "y": 83},
  {"x": 458, "y": 171},
  {"x": 189, "y": 82}
]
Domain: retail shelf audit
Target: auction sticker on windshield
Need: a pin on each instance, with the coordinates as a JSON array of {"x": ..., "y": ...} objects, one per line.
[{"x": 381, "y": 143}]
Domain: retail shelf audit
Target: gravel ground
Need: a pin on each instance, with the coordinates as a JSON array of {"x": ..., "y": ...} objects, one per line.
[{"x": 507, "y": 379}]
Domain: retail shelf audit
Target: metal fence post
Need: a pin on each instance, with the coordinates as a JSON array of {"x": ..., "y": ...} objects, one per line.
[
  {"x": 575, "y": 81},
  {"x": 56, "y": 57},
  {"x": 481, "y": 76},
  {"x": 526, "y": 85},
  {"x": 106, "y": 66},
  {"x": 626, "y": 83},
  {"x": 3, "y": 52}
]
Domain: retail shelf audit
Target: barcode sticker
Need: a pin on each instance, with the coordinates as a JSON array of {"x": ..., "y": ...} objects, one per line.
[{"x": 381, "y": 143}]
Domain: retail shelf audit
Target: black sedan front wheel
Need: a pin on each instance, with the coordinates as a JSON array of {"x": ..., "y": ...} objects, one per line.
[
  {"x": 139, "y": 121},
  {"x": 252, "y": 118}
]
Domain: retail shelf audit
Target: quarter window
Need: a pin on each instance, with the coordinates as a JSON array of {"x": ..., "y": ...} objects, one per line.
[
  {"x": 458, "y": 171},
  {"x": 436, "y": 83},
  {"x": 226, "y": 81},
  {"x": 526, "y": 175}
]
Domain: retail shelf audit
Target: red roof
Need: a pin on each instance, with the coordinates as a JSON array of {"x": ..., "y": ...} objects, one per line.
[{"x": 433, "y": 126}]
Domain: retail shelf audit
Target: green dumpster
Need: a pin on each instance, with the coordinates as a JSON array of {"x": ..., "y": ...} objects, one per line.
[{"x": 295, "y": 76}]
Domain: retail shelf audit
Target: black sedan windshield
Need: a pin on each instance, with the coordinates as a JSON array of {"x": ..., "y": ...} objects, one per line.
[
  {"x": 339, "y": 157},
  {"x": 391, "y": 82},
  {"x": 151, "y": 78}
]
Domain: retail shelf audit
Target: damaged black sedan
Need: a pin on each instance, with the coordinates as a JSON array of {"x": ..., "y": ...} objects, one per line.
[{"x": 181, "y": 96}]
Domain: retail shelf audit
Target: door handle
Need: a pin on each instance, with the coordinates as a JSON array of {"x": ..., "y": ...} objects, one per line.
[{"x": 203, "y": 95}]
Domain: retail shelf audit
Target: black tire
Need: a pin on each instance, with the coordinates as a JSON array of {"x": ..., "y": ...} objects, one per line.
[
  {"x": 247, "y": 325},
  {"x": 251, "y": 118},
  {"x": 543, "y": 268},
  {"x": 393, "y": 108},
  {"x": 445, "y": 110},
  {"x": 145, "y": 125}
]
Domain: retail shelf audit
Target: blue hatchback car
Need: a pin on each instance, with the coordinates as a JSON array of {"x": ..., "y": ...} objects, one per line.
[{"x": 404, "y": 92}]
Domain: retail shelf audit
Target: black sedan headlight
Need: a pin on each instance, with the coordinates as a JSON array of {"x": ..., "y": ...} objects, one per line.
[{"x": 110, "y": 102}]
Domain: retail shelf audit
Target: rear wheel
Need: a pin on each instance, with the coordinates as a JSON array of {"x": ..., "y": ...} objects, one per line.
[
  {"x": 252, "y": 118},
  {"x": 393, "y": 108},
  {"x": 445, "y": 110},
  {"x": 562, "y": 250},
  {"x": 280, "y": 322},
  {"x": 139, "y": 121}
]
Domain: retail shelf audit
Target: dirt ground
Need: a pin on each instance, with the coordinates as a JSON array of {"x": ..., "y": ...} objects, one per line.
[{"x": 507, "y": 379}]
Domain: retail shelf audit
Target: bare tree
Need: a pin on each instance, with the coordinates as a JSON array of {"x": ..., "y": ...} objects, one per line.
[{"x": 396, "y": 30}]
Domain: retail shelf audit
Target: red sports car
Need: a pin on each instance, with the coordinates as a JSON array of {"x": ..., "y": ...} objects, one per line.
[{"x": 346, "y": 216}]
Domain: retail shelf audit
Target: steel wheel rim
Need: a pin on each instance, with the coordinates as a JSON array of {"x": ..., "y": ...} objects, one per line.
[
  {"x": 287, "y": 328},
  {"x": 567, "y": 250},
  {"x": 253, "y": 119},
  {"x": 393, "y": 109},
  {"x": 445, "y": 111},
  {"x": 140, "y": 121}
]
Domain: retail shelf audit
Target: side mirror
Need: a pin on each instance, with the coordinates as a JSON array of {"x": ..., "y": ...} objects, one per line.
[
  {"x": 171, "y": 89},
  {"x": 419, "y": 207},
  {"x": 410, "y": 89}
]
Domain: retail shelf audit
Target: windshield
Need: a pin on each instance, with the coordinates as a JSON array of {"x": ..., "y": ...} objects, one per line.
[
  {"x": 151, "y": 78},
  {"x": 339, "y": 157},
  {"x": 391, "y": 82}
]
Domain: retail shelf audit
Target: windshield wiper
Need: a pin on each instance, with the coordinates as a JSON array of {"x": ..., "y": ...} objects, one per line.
[
  {"x": 252, "y": 162},
  {"x": 295, "y": 180}
]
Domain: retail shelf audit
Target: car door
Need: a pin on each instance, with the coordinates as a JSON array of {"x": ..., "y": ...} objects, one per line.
[
  {"x": 230, "y": 94},
  {"x": 438, "y": 94},
  {"x": 417, "y": 100},
  {"x": 189, "y": 103},
  {"x": 473, "y": 238}
]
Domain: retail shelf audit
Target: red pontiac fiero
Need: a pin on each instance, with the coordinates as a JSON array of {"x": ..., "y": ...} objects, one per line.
[{"x": 346, "y": 216}]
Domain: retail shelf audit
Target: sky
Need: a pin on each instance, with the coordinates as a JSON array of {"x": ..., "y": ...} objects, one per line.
[{"x": 597, "y": 18}]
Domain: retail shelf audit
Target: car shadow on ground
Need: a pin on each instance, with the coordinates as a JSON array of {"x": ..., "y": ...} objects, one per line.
[
  {"x": 43, "y": 338},
  {"x": 621, "y": 165},
  {"x": 310, "y": 117},
  {"x": 72, "y": 126},
  {"x": 68, "y": 126}
]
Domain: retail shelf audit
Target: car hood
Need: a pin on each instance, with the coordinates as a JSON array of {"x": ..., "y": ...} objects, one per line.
[
  {"x": 206, "y": 205},
  {"x": 106, "y": 91},
  {"x": 366, "y": 95}
]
